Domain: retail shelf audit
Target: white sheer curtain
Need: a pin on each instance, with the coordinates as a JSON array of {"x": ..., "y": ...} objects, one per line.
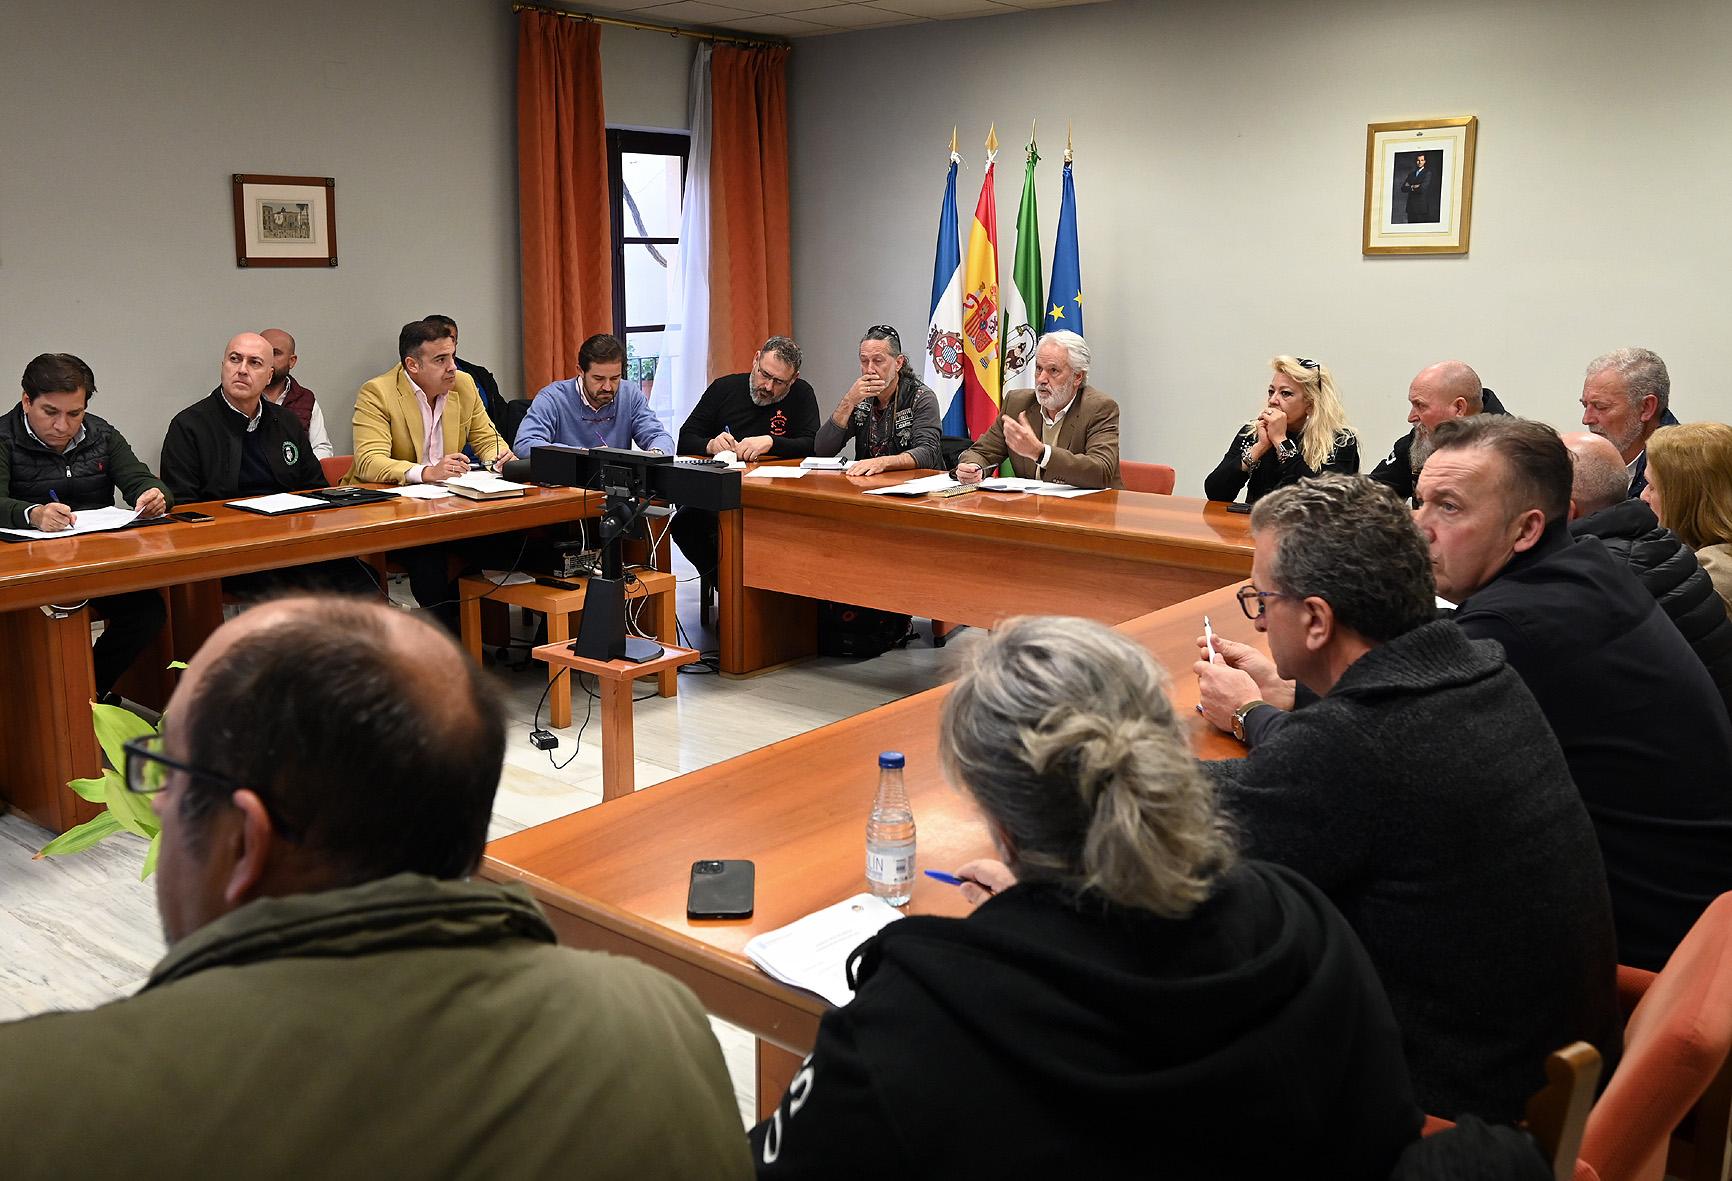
[{"x": 682, "y": 371}]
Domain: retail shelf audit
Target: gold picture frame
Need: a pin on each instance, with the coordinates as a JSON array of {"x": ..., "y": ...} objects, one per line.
[{"x": 1419, "y": 185}]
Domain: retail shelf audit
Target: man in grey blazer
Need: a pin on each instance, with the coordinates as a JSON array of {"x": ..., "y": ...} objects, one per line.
[{"x": 1064, "y": 429}]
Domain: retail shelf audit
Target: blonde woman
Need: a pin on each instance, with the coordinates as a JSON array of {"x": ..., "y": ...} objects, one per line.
[
  {"x": 1690, "y": 490},
  {"x": 1302, "y": 430},
  {"x": 1130, "y": 990}
]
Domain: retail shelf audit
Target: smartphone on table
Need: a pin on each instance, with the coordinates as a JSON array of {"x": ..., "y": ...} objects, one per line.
[{"x": 721, "y": 890}]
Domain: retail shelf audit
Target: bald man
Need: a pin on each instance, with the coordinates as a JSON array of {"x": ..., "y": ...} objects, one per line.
[
  {"x": 1440, "y": 392},
  {"x": 234, "y": 442},
  {"x": 325, "y": 777},
  {"x": 285, "y": 391},
  {"x": 1601, "y": 507}
]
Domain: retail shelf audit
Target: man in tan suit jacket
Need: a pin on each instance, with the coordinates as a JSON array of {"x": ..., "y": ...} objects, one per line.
[
  {"x": 392, "y": 444},
  {"x": 1064, "y": 429},
  {"x": 411, "y": 426}
]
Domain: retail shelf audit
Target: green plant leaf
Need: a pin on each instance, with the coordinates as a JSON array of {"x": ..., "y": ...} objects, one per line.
[
  {"x": 81, "y": 837},
  {"x": 150, "y": 857},
  {"x": 129, "y": 809},
  {"x": 93, "y": 790},
  {"x": 115, "y": 726}
]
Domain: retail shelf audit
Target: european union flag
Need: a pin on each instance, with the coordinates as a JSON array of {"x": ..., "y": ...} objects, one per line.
[{"x": 1064, "y": 301}]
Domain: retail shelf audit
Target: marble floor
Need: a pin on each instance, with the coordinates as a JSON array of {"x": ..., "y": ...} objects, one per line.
[{"x": 82, "y": 930}]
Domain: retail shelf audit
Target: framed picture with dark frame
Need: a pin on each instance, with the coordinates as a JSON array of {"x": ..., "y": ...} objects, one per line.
[
  {"x": 1419, "y": 185},
  {"x": 285, "y": 221}
]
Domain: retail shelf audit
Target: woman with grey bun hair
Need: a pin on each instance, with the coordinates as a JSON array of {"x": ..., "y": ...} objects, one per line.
[{"x": 1132, "y": 997}]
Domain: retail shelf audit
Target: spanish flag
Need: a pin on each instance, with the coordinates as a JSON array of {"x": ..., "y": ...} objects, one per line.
[{"x": 980, "y": 308}]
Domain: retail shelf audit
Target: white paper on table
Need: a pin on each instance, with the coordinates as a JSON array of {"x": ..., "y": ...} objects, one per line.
[
  {"x": 778, "y": 473},
  {"x": 812, "y": 953},
  {"x": 825, "y": 463},
  {"x": 917, "y": 487},
  {"x": 480, "y": 481},
  {"x": 422, "y": 491},
  {"x": 507, "y": 577},
  {"x": 89, "y": 520},
  {"x": 1037, "y": 487},
  {"x": 279, "y": 502}
]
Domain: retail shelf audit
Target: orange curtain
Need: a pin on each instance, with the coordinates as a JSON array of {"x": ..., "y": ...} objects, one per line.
[
  {"x": 562, "y": 193},
  {"x": 750, "y": 296}
]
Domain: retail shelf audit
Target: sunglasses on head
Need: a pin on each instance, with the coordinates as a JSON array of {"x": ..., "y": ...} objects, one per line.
[{"x": 886, "y": 334}]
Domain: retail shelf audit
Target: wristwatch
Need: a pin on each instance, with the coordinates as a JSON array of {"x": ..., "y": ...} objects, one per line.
[
  {"x": 1286, "y": 449},
  {"x": 1239, "y": 716}
]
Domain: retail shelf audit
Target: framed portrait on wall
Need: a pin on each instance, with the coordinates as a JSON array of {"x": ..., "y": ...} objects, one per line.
[
  {"x": 285, "y": 221},
  {"x": 1419, "y": 185}
]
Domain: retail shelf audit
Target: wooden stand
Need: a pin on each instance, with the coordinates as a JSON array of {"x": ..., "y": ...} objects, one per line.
[
  {"x": 618, "y": 777},
  {"x": 559, "y": 605}
]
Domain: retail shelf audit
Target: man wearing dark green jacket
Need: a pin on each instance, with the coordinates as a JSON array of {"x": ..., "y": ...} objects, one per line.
[
  {"x": 58, "y": 460},
  {"x": 337, "y": 1000}
]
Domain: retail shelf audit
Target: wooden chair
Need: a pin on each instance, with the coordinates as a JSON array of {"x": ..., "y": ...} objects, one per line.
[
  {"x": 1147, "y": 477},
  {"x": 1557, "y": 1113},
  {"x": 1668, "y": 1108}
]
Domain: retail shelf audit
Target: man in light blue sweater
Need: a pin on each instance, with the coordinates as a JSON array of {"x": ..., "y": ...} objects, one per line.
[{"x": 597, "y": 408}]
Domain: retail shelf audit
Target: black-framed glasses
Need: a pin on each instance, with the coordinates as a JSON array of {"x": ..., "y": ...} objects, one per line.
[
  {"x": 1308, "y": 363},
  {"x": 1249, "y": 594},
  {"x": 776, "y": 383},
  {"x": 886, "y": 334},
  {"x": 147, "y": 768}
]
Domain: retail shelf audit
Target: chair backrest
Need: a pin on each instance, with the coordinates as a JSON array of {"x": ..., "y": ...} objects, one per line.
[
  {"x": 1147, "y": 477},
  {"x": 1676, "y": 1048},
  {"x": 1557, "y": 1113},
  {"x": 336, "y": 467}
]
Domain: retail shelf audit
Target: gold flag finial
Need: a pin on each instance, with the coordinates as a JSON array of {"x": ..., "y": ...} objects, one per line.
[
  {"x": 992, "y": 138},
  {"x": 1067, "y": 152},
  {"x": 953, "y": 139}
]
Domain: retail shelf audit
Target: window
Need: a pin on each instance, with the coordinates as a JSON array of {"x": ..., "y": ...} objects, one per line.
[{"x": 646, "y": 181}]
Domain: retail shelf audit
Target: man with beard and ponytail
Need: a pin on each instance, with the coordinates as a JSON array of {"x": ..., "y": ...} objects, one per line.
[
  {"x": 1063, "y": 429},
  {"x": 1440, "y": 392},
  {"x": 766, "y": 413}
]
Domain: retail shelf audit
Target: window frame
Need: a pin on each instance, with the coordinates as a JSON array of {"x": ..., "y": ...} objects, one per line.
[{"x": 621, "y": 140}]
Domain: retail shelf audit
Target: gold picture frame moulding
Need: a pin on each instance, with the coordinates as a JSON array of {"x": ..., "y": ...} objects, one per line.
[{"x": 1419, "y": 185}]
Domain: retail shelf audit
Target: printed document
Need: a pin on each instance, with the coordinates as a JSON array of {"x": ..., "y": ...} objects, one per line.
[
  {"x": 812, "y": 952},
  {"x": 919, "y": 487},
  {"x": 88, "y": 520}
]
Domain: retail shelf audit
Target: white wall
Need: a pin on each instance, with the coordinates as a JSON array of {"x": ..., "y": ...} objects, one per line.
[
  {"x": 1220, "y": 176},
  {"x": 121, "y": 123}
]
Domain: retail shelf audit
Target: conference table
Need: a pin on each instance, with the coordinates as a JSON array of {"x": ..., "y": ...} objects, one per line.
[
  {"x": 972, "y": 559},
  {"x": 45, "y": 654},
  {"x": 614, "y": 877}
]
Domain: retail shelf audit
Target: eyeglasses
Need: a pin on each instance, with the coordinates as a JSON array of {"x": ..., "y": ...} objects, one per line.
[
  {"x": 1248, "y": 594},
  {"x": 147, "y": 767},
  {"x": 147, "y": 770},
  {"x": 775, "y": 383}
]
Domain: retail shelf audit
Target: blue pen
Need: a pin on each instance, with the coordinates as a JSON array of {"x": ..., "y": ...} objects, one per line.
[
  {"x": 948, "y": 879},
  {"x": 54, "y": 496}
]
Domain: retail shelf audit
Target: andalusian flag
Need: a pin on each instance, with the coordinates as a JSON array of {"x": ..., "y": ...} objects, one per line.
[
  {"x": 980, "y": 306},
  {"x": 944, "y": 358},
  {"x": 1064, "y": 304},
  {"x": 1021, "y": 333}
]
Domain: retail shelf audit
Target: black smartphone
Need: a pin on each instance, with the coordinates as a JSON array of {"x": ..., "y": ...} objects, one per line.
[
  {"x": 1238, "y": 507},
  {"x": 190, "y": 517},
  {"x": 721, "y": 890}
]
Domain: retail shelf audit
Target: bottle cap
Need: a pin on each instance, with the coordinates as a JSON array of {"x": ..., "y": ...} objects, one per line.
[{"x": 891, "y": 758}]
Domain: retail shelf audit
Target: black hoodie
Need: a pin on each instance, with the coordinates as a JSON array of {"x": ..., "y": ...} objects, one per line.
[{"x": 1047, "y": 1035}]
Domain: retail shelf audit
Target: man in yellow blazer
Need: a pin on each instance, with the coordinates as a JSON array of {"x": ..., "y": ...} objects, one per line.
[{"x": 411, "y": 426}]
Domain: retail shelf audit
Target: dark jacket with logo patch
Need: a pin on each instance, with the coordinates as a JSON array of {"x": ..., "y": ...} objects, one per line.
[
  {"x": 201, "y": 454},
  {"x": 84, "y": 476}
]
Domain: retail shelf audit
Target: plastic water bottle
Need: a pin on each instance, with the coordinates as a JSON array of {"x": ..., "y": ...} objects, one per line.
[{"x": 890, "y": 835}]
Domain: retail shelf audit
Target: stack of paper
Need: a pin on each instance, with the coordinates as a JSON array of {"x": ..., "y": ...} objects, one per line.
[
  {"x": 480, "y": 485},
  {"x": 777, "y": 473},
  {"x": 825, "y": 463},
  {"x": 919, "y": 487},
  {"x": 1038, "y": 487},
  {"x": 422, "y": 491},
  {"x": 89, "y": 520},
  {"x": 812, "y": 953},
  {"x": 279, "y": 502}
]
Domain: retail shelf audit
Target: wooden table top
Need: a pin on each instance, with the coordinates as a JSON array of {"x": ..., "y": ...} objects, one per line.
[
  {"x": 798, "y": 810},
  {"x": 1140, "y": 524},
  {"x": 65, "y": 570},
  {"x": 614, "y": 670}
]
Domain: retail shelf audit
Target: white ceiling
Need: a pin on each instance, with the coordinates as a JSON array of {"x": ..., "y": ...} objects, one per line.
[{"x": 811, "y": 18}]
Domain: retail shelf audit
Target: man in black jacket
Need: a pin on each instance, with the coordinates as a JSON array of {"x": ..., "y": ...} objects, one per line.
[
  {"x": 1424, "y": 794},
  {"x": 57, "y": 460},
  {"x": 1440, "y": 392},
  {"x": 1600, "y": 506},
  {"x": 238, "y": 443},
  {"x": 767, "y": 412},
  {"x": 1644, "y": 729}
]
